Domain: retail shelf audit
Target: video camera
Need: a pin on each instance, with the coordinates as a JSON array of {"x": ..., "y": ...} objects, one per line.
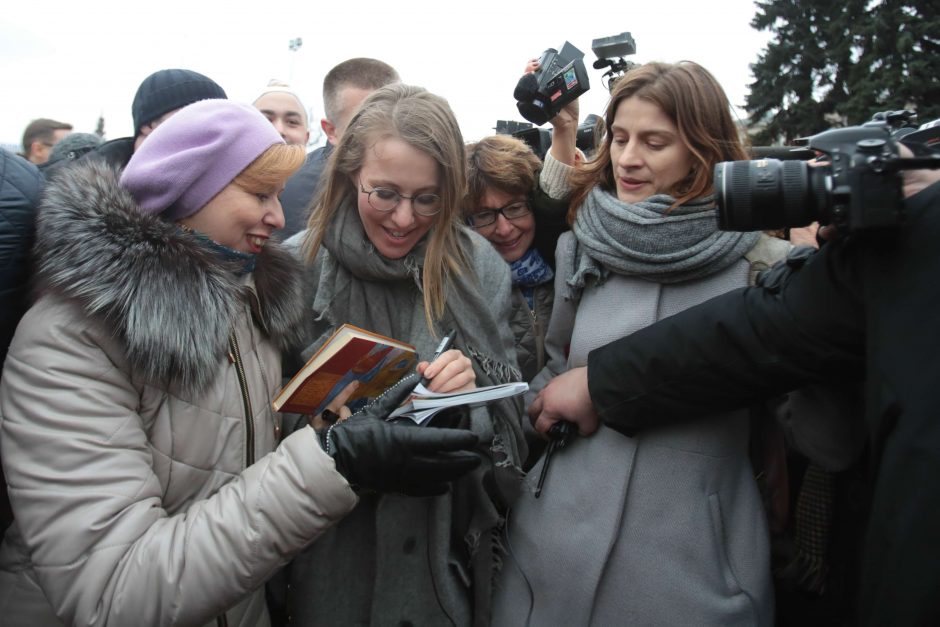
[
  {"x": 540, "y": 139},
  {"x": 856, "y": 188},
  {"x": 561, "y": 78},
  {"x": 610, "y": 53}
]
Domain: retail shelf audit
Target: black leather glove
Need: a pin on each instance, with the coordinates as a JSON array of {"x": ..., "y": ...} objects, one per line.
[{"x": 398, "y": 457}]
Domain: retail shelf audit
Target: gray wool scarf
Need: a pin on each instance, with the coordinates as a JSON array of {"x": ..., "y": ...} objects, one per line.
[
  {"x": 361, "y": 286},
  {"x": 650, "y": 241}
]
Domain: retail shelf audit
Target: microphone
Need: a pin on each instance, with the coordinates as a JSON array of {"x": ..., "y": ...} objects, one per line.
[{"x": 527, "y": 87}]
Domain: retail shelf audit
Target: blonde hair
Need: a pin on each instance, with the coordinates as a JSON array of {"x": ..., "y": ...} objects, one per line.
[
  {"x": 271, "y": 168},
  {"x": 696, "y": 104},
  {"x": 499, "y": 162},
  {"x": 425, "y": 122}
]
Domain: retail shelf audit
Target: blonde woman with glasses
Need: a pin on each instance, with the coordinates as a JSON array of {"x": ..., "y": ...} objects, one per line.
[{"x": 386, "y": 251}]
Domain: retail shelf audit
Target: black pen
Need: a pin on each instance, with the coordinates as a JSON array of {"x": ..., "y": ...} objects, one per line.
[{"x": 445, "y": 345}]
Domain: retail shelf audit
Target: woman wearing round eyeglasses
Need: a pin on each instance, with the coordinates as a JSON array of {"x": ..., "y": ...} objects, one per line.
[
  {"x": 502, "y": 173},
  {"x": 386, "y": 251}
]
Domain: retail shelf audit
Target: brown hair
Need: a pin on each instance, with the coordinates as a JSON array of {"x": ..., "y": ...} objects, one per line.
[
  {"x": 426, "y": 122},
  {"x": 362, "y": 73},
  {"x": 271, "y": 168},
  {"x": 499, "y": 162},
  {"x": 697, "y": 105},
  {"x": 41, "y": 130}
]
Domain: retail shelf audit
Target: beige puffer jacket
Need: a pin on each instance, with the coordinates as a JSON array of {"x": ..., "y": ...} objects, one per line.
[{"x": 136, "y": 431}]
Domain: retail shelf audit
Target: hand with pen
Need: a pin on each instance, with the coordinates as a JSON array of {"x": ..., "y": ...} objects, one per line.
[{"x": 448, "y": 370}]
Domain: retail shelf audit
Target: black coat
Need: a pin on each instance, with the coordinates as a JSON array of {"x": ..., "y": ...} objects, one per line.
[
  {"x": 20, "y": 184},
  {"x": 856, "y": 309},
  {"x": 300, "y": 189},
  {"x": 115, "y": 153}
]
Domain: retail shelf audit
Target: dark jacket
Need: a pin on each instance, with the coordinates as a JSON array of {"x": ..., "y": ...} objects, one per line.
[
  {"x": 864, "y": 307},
  {"x": 300, "y": 189},
  {"x": 529, "y": 326},
  {"x": 551, "y": 221},
  {"x": 20, "y": 184},
  {"x": 116, "y": 153}
]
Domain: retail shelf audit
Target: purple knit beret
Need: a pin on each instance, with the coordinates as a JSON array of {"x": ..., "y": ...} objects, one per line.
[{"x": 194, "y": 154}]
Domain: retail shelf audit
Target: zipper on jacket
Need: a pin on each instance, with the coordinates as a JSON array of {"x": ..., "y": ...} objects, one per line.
[
  {"x": 243, "y": 384},
  {"x": 221, "y": 620},
  {"x": 537, "y": 335}
]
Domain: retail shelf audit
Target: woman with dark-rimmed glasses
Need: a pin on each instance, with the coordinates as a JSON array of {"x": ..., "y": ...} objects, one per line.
[{"x": 502, "y": 203}]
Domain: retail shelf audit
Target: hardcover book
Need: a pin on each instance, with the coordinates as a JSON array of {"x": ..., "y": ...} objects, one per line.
[{"x": 350, "y": 354}]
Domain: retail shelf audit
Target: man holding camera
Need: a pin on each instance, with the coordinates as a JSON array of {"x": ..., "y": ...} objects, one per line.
[{"x": 864, "y": 306}]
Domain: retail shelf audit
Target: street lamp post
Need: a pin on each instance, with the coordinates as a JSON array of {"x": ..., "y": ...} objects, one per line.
[{"x": 294, "y": 45}]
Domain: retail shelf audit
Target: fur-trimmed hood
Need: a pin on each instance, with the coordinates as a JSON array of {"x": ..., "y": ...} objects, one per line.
[{"x": 166, "y": 295}]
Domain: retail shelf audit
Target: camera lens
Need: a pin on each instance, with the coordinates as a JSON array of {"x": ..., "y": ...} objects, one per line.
[{"x": 767, "y": 194}]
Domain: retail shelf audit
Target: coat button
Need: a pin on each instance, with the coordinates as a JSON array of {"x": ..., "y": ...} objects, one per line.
[{"x": 409, "y": 546}]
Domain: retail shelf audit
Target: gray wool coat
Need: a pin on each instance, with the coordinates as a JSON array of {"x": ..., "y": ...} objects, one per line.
[
  {"x": 665, "y": 528},
  {"x": 136, "y": 431}
]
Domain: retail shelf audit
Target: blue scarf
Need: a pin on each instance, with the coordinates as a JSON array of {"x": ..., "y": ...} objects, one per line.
[
  {"x": 243, "y": 263},
  {"x": 528, "y": 271}
]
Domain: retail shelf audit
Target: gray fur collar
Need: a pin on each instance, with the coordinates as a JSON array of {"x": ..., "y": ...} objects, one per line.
[{"x": 171, "y": 300}]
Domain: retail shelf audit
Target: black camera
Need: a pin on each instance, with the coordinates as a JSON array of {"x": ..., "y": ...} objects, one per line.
[
  {"x": 610, "y": 53},
  {"x": 561, "y": 78},
  {"x": 540, "y": 139},
  {"x": 857, "y": 187}
]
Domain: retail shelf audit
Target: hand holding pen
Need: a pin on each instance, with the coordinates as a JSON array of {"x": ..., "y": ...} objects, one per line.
[{"x": 449, "y": 370}]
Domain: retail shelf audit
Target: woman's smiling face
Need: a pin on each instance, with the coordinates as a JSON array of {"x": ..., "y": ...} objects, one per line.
[
  {"x": 393, "y": 164},
  {"x": 238, "y": 218},
  {"x": 511, "y": 238}
]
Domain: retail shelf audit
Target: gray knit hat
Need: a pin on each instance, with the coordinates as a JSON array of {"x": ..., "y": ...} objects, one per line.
[
  {"x": 73, "y": 146},
  {"x": 167, "y": 90}
]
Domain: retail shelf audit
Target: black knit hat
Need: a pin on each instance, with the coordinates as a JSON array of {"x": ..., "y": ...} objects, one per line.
[{"x": 167, "y": 90}]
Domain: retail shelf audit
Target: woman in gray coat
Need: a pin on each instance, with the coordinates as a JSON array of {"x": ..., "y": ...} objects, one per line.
[
  {"x": 137, "y": 435},
  {"x": 664, "y": 527}
]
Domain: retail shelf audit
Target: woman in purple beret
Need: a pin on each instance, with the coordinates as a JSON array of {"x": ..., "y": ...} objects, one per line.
[{"x": 148, "y": 483}]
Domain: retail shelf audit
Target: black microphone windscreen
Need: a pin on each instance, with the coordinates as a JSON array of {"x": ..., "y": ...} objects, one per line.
[{"x": 527, "y": 87}]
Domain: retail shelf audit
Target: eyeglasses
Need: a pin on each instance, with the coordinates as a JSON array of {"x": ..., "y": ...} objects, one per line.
[
  {"x": 384, "y": 199},
  {"x": 512, "y": 211}
]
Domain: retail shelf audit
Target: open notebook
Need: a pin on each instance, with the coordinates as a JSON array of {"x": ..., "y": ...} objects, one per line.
[{"x": 423, "y": 404}]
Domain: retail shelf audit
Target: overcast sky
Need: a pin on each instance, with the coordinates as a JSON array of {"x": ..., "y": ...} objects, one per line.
[{"x": 74, "y": 61}]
